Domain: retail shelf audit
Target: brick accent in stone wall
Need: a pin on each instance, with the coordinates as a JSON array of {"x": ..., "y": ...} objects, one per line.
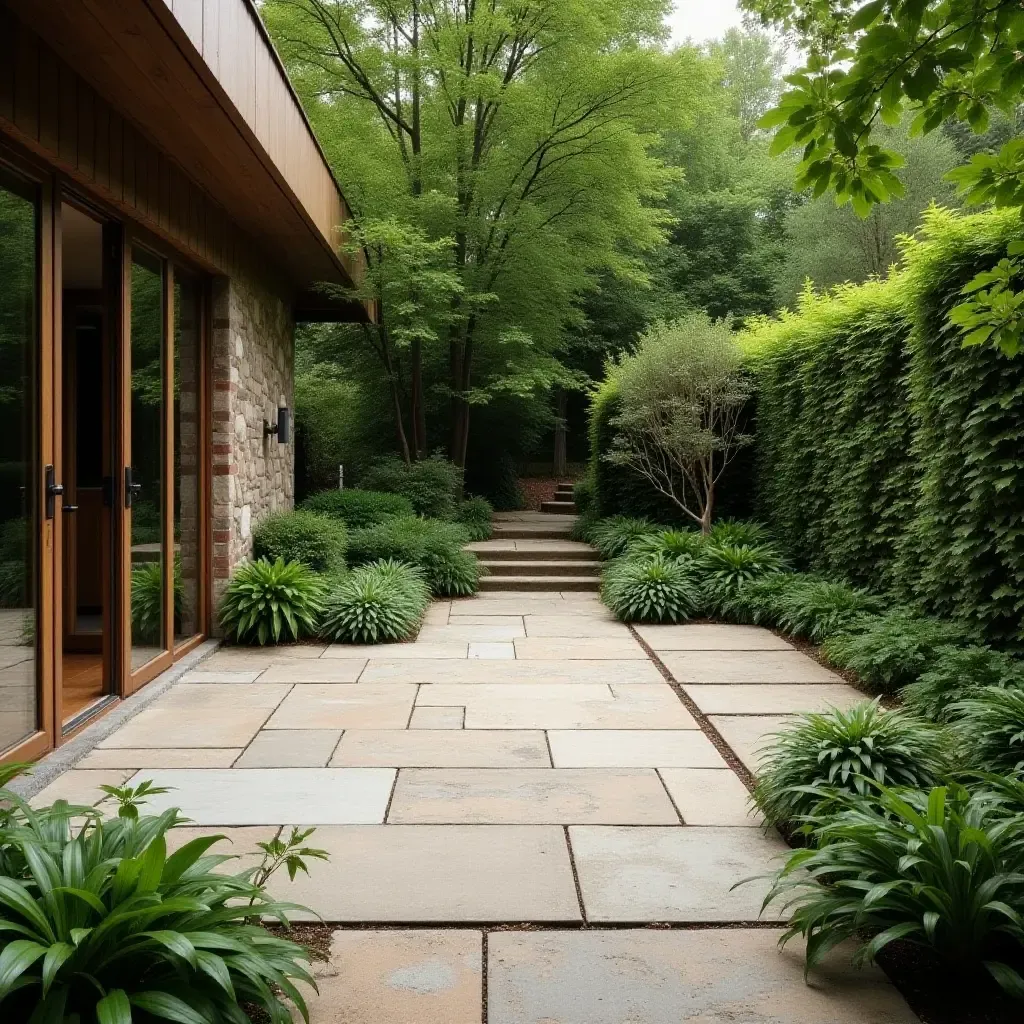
[{"x": 253, "y": 375}]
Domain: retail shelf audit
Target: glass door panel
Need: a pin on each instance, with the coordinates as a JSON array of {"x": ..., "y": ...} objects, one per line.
[
  {"x": 19, "y": 464},
  {"x": 145, "y": 477}
]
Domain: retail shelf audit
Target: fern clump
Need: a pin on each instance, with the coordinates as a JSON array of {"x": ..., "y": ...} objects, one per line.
[
  {"x": 671, "y": 544},
  {"x": 653, "y": 589},
  {"x": 378, "y": 603},
  {"x": 845, "y": 751},
  {"x": 817, "y": 609},
  {"x": 991, "y": 728},
  {"x": 739, "y": 533},
  {"x": 726, "y": 568},
  {"x": 890, "y": 651},
  {"x": 612, "y": 537},
  {"x": 956, "y": 674},
  {"x": 756, "y": 602},
  {"x": 476, "y": 515},
  {"x": 266, "y": 602}
]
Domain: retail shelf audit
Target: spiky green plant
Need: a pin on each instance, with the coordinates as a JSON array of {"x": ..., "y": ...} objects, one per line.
[
  {"x": 817, "y": 609},
  {"x": 941, "y": 869},
  {"x": 451, "y": 572},
  {"x": 613, "y": 536},
  {"x": 956, "y": 674},
  {"x": 672, "y": 544},
  {"x": 653, "y": 589},
  {"x": 845, "y": 751},
  {"x": 739, "y": 533},
  {"x": 890, "y": 651},
  {"x": 267, "y": 601},
  {"x": 726, "y": 568},
  {"x": 756, "y": 602},
  {"x": 383, "y": 602},
  {"x": 477, "y": 516},
  {"x": 991, "y": 728},
  {"x": 99, "y": 923},
  {"x": 147, "y": 600}
]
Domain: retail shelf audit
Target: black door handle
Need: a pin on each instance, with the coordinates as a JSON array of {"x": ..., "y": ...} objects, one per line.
[
  {"x": 69, "y": 508},
  {"x": 53, "y": 491},
  {"x": 130, "y": 488}
]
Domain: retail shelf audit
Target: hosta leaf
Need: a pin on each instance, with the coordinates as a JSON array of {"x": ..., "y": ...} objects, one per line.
[
  {"x": 114, "y": 1008},
  {"x": 167, "y": 1007}
]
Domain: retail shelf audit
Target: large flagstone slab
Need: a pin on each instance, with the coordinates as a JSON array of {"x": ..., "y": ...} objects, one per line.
[
  {"x": 749, "y": 734},
  {"x": 198, "y": 727},
  {"x": 394, "y": 652},
  {"x": 437, "y": 718},
  {"x": 345, "y": 706},
  {"x": 503, "y": 603},
  {"x": 274, "y": 796},
  {"x": 575, "y": 626},
  {"x": 321, "y": 670},
  {"x": 785, "y": 667},
  {"x": 459, "y": 632},
  {"x": 418, "y": 874},
  {"x": 442, "y": 748},
  {"x": 467, "y": 618},
  {"x": 222, "y": 675},
  {"x": 191, "y": 696},
  {"x": 773, "y": 699},
  {"x": 400, "y": 977},
  {"x": 290, "y": 748},
  {"x": 712, "y": 637},
  {"x": 530, "y": 796},
  {"x": 710, "y": 976},
  {"x": 81, "y": 786},
  {"x": 274, "y": 652},
  {"x": 161, "y": 757},
  {"x": 710, "y": 796},
  {"x": 637, "y": 748},
  {"x": 586, "y": 649},
  {"x": 511, "y": 671},
  {"x": 635, "y": 875},
  {"x": 489, "y": 650}
]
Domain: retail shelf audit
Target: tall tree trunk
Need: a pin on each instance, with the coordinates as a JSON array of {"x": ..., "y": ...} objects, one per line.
[
  {"x": 559, "y": 461},
  {"x": 417, "y": 410}
]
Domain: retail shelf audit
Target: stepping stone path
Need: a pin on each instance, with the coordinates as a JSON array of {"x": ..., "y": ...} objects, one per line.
[{"x": 518, "y": 803}]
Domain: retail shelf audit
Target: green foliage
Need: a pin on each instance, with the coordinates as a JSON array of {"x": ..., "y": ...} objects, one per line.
[
  {"x": 991, "y": 729},
  {"x": 382, "y": 602},
  {"x": 613, "y": 536},
  {"x": 670, "y": 544},
  {"x": 737, "y": 533},
  {"x": 315, "y": 540},
  {"x": 756, "y": 602},
  {"x": 886, "y": 451},
  {"x": 817, "y": 609},
  {"x": 267, "y": 601},
  {"x": 653, "y": 589},
  {"x": 939, "y": 868},
  {"x": 12, "y": 584},
  {"x": 495, "y": 475},
  {"x": 432, "y": 485},
  {"x": 451, "y": 572},
  {"x": 890, "y": 651},
  {"x": 147, "y": 600},
  {"x": 957, "y": 673},
  {"x": 583, "y": 526},
  {"x": 476, "y": 515},
  {"x": 727, "y": 568},
  {"x": 846, "y": 751},
  {"x": 358, "y": 509},
  {"x": 583, "y": 494},
  {"x": 98, "y": 922}
]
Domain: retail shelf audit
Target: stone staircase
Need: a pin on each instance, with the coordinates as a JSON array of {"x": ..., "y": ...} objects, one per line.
[
  {"x": 562, "y": 504},
  {"x": 533, "y": 551}
]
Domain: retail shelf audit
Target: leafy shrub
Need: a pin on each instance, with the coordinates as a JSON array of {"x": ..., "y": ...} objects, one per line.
[
  {"x": 653, "y": 589},
  {"x": 315, "y": 540},
  {"x": 432, "y": 485},
  {"x": 99, "y": 923},
  {"x": 677, "y": 544},
  {"x": 956, "y": 673},
  {"x": 817, "y": 609},
  {"x": 358, "y": 509},
  {"x": 842, "y": 750},
  {"x": 450, "y": 572},
  {"x": 376, "y": 603},
  {"x": 756, "y": 602},
  {"x": 613, "y": 536},
  {"x": 583, "y": 526},
  {"x": 146, "y": 524},
  {"x": 889, "y": 651},
  {"x": 939, "y": 868},
  {"x": 12, "y": 585},
  {"x": 991, "y": 727},
  {"x": 476, "y": 515},
  {"x": 147, "y": 600},
  {"x": 726, "y": 568},
  {"x": 266, "y": 601},
  {"x": 583, "y": 494},
  {"x": 739, "y": 533},
  {"x": 14, "y": 534}
]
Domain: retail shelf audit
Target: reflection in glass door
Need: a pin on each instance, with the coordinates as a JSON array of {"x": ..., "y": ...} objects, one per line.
[
  {"x": 145, "y": 477},
  {"x": 19, "y": 463}
]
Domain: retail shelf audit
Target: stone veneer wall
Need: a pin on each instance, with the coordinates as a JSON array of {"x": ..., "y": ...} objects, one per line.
[{"x": 253, "y": 374}]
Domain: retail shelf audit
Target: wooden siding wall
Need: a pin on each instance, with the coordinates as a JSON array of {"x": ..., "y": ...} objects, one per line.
[
  {"x": 47, "y": 108},
  {"x": 233, "y": 43}
]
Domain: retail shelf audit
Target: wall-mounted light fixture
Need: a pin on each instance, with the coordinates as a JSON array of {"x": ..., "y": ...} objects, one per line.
[{"x": 283, "y": 426}]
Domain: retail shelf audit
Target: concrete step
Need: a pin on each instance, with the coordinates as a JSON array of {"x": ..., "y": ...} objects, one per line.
[
  {"x": 498, "y": 567},
  {"x": 565, "y": 508},
  {"x": 536, "y": 583},
  {"x": 564, "y": 492},
  {"x": 553, "y": 553},
  {"x": 522, "y": 531}
]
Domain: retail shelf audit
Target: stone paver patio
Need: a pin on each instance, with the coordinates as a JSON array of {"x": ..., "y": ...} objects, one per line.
[{"x": 523, "y": 762}]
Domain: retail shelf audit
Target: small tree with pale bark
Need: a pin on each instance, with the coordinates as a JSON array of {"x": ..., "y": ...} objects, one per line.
[{"x": 680, "y": 403}]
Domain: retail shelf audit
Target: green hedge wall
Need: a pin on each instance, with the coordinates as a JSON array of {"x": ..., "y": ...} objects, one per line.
[{"x": 888, "y": 453}]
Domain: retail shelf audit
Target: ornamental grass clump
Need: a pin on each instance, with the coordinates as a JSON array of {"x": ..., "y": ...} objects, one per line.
[
  {"x": 817, "y": 609},
  {"x": 98, "y": 922},
  {"x": 990, "y": 726},
  {"x": 955, "y": 675},
  {"x": 890, "y": 651},
  {"x": 267, "y": 602},
  {"x": 738, "y": 533},
  {"x": 318, "y": 541},
  {"x": 383, "y": 602},
  {"x": 823, "y": 754},
  {"x": 476, "y": 515},
  {"x": 612, "y": 537},
  {"x": 653, "y": 589},
  {"x": 358, "y": 509},
  {"x": 726, "y": 568},
  {"x": 942, "y": 869},
  {"x": 451, "y": 571}
]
